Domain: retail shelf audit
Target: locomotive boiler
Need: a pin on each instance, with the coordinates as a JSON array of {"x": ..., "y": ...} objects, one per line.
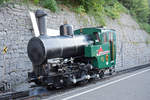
[
  {"x": 44, "y": 47},
  {"x": 73, "y": 57}
]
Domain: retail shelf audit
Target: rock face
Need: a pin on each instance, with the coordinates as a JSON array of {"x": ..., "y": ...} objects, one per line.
[{"x": 16, "y": 30}]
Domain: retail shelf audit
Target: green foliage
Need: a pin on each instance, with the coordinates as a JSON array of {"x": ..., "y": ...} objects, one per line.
[
  {"x": 80, "y": 10},
  {"x": 50, "y": 4},
  {"x": 36, "y": 2},
  {"x": 68, "y": 3},
  {"x": 101, "y": 8},
  {"x": 138, "y": 8},
  {"x": 114, "y": 10},
  {"x": 149, "y": 2},
  {"x": 145, "y": 26},
  {"x": 96, "y": 9},
  {"x": 1, "y": 1}
]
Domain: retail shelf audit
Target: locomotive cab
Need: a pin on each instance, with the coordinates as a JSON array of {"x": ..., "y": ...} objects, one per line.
[{"x": 103, "y": 50}]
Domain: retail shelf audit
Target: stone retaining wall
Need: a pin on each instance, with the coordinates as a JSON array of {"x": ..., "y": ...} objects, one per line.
[{"x": 16, "y": 30}]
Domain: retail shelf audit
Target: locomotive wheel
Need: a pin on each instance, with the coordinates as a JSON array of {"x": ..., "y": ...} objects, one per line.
[
  {"x": 67, "y": 82},
  {"x": 110, "y": 71},
  {"x": 83, "y": 73},
  {"x": 58, "y": 82},
  {"x": 82, "y": 82},
  {"x": 113, "y": 68},
  {"x": 101, "y": 74},
  {"x": 38, "y": 83},
  {"x": 50, "y": 88}
]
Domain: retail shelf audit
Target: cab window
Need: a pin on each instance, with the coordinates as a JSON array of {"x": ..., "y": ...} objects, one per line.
[{"x": 97, "y": 37}]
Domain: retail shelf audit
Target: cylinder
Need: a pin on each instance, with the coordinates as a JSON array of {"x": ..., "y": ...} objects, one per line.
[
  {"x": 66, "y": 29},
  {"x": 45, "y": 47},
  {"x": 41, "y": 18}
]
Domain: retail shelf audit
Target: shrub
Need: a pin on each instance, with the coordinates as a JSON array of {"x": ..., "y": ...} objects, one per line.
[
  {"x": 50, "y": 4},
  {"x": 1, "y": 1},
  {"x": 101, "y": 8},
  {"x": 145, "y": 26},
  {"x": 79, "y": 10},
  {"x": 36, "y": 2},
  {"x": 138, "y": 8}
]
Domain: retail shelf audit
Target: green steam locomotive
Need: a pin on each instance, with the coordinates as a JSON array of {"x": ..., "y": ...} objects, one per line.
[{"x": 72, "y": 57}]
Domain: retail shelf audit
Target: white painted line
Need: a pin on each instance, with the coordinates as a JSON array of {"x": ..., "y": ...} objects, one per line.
[
  {"x": 53, "y": 97},
  {"x": 107, "y": 84}
]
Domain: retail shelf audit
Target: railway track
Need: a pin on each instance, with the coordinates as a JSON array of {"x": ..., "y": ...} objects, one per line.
[{"x": 38, "y": 92}]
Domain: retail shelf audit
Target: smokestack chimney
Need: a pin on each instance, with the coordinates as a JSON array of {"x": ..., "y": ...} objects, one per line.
[{"x": 41, "y": 18}]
